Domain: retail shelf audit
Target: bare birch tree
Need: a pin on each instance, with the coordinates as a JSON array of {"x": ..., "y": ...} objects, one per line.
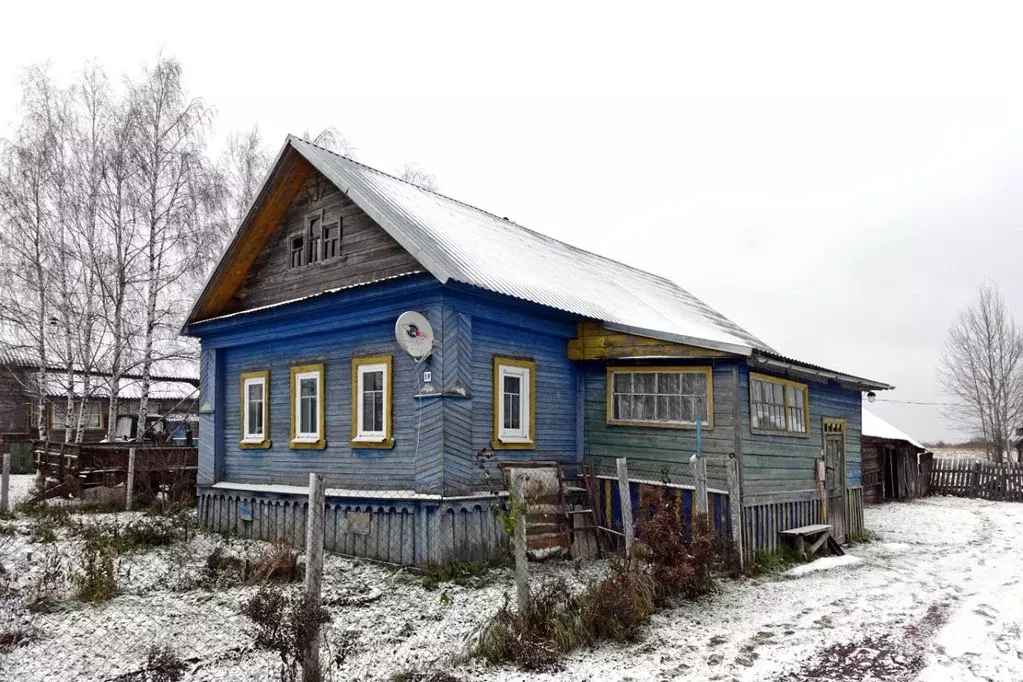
[
  {"x": 418, "y": 176},
  {"x": 169, "y": 150},
  {"x": 244, "y": 164},
  {"x": 333, "y": 139},
  {"x": 26, "y": 259},
  {"x": 982, "y": 371}
]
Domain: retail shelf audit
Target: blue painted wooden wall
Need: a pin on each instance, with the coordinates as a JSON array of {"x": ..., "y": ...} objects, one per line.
[{"x": 436, "y": 435}]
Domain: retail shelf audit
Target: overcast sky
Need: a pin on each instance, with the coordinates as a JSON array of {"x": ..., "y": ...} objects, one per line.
[{"x": 839, "y": 183}]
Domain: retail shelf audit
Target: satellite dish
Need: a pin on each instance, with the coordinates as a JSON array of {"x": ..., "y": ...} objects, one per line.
[{"x": 414, "y": 334}]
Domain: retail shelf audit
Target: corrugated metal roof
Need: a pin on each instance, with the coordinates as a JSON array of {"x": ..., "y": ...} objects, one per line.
[
  {"x": 130, "y": 388},
  {"x": 455, "y": 241},
  {"x": 878, "y": 428}
]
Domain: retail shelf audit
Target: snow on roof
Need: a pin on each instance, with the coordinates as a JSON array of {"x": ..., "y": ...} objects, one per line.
[
  {"x": 456, "y": 241},
  {"x": 130, "y": 388},
  {"x": 876, "y": 427}
]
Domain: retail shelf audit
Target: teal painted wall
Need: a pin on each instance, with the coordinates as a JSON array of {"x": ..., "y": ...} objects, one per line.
[{"x": 775, "y": 464}]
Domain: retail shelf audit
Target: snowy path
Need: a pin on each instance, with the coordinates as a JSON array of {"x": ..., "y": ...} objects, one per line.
[{"x": 938, "y": 597}]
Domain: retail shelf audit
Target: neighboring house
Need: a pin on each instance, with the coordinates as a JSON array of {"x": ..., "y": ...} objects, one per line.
[
  {"x": 173, "y": 393},
  {"x": 895, "y": 466},
  {"x": 542, "y": 352}
]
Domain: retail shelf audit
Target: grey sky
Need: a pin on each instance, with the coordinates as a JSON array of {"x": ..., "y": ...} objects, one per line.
[{"x": 838, "y": 182}]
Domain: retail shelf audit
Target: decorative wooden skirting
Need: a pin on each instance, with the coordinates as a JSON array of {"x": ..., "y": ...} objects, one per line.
[
  {"x": 762, "y": 522},
  {"x": 408, "y": 532},
  {"x": 977, "y": 478}
]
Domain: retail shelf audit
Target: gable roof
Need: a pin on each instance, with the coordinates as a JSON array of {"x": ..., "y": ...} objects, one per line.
[
  {"x": 876, "y": 427},
  {"x": 461, "y": 243}
]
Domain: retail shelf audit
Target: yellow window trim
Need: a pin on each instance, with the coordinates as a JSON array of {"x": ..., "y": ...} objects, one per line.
[
  {"x": 495, "y": 442},
  {"x": 609, "y": 408},
  {"x": 102, "y": 419},
  {"x": 388, "y": 441},
  {"x": 321, "y": 389},
  {"x": 243, "y": 398},
  {"x": 785, "y": 397}
]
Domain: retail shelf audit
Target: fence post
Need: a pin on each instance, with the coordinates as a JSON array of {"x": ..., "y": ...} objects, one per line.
[
  {"x": 129, "y": 484},
  {"x": 735, "y": 505},
  {"x": 520, "y": 540},
  {"x": 974, "y": 480},
  {"x": 700, "y": 474},
  {"x": 314, "y": 569},
  {"x": 5, "y": 482},
  {"x": 626, "y": 506}
]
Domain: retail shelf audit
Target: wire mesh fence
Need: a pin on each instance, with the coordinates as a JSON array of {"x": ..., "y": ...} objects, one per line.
[{"x": 289, "y": 582}]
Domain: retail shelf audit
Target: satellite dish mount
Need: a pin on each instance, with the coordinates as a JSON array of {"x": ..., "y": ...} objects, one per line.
[{"x": 414, "y": 335}]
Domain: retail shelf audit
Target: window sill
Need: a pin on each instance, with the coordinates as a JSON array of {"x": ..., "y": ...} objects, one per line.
[
  {"x": 378, "y": 443},
  {"x": 307, "y": 444},
  {"x": 786, "y": 434},
  {"x": 512, "y": 444},
  {"x": 707, "y": 426},
  {"x": 255, "y": 444}
]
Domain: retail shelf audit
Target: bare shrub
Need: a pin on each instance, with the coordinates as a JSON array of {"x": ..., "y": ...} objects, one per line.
[
  {"x": 163, "y": 665},
  {"x": 679, "y": 565},
  {"x": 285, "y": 625},
  {"x": 279, "y": 564},
  {"x": 48, "y": 585}
]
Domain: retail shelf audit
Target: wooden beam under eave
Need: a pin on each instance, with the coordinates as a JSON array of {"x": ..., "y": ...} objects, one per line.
[
  {"x": 284, "y": 187},
  {"x": 594, "y": 342}
]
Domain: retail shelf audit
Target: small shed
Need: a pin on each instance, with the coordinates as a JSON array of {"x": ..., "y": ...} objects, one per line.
[{"x": 895, "y": 466}]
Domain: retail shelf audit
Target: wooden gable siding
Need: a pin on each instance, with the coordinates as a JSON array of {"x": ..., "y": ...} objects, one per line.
[
  {"x": 652, "y": 451},
  {"x": 594, "y": 342},
  {"x": 775, "y": 464},
  {"x": 368, "y": 253}
]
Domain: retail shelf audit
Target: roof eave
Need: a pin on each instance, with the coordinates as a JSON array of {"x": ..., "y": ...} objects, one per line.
[{"x": 855, "y": 382}]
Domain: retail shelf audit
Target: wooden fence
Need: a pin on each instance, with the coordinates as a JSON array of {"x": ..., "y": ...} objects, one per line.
[{"x": 977, "y": 478}]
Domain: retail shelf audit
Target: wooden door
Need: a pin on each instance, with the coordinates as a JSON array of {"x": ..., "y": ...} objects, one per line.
[{"x": 834, "y": 476}]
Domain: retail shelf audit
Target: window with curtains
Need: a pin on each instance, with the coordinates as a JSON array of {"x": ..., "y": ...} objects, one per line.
[
  {"x": 514, "y": 423},
  {"x": 371, "y": 402},
  {"x": 255, "y": 415},
  {"x": 660, "y": 396},
  {"x": 307, "y": 408},
  {"x": 778, "y": 405}
]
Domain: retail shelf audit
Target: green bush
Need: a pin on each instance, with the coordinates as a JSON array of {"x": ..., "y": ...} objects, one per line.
[{"x": 96, "y": 579}]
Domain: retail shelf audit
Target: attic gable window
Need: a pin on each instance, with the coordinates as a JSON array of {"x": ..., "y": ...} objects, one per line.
[
  {"x": 297, "y": 251},
  {"x": 778, "y": 405},
  {"x": 315, "y": 223},
  {"x": 332, "y": 240},
  {"x": 660, "y": 396}
]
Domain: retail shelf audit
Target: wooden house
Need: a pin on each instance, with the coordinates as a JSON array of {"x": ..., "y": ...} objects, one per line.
[
  {"x": 543, "y": 352},
  {"x": 173, "y": 393},
  {"x": 895, "y": 466}
]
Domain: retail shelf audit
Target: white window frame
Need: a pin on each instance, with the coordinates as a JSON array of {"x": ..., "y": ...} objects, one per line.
[
  {"x": 307, "y": 436},
  {"x": 362, "y": 436},
  {"x": 521, "y": 434},
  {"x": 248, "y": 436}
]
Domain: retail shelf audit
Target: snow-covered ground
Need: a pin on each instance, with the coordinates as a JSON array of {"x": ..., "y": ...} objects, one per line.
[{"x": 937, "y": 597}]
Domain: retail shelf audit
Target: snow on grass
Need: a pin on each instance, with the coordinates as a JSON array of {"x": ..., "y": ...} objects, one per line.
[
  {"x": 825, "y": 563},
  {"x": 21, "y": 486},
  {"x": 938, "y": 590}
]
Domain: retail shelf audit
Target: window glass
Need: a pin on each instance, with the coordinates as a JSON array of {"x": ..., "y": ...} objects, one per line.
[
  {"x": 254, "y": 396},
  {"x": 373, "y": 401},
  {"x": 307, "y": 406},
  {"x": 512, "y": 402},
  {"x": 314, "y": 239},
  {"x": 778, "y": 405},
  {"x": 297, "y": 251},
  {"x": 666, "y": 397}
]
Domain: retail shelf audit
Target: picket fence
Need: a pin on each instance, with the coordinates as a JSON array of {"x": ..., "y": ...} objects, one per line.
[{"x": 977, "y": 478}]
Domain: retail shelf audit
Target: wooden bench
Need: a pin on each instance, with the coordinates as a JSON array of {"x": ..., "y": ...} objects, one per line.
[{"x": 809, "y": 539}]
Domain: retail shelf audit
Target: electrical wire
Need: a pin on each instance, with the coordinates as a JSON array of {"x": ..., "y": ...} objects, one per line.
[{"x": 913, "y": 402}]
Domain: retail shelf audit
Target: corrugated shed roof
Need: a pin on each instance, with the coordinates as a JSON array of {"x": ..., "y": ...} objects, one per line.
[
  {"x": 130, "y": 388},
  {"x": 878, "y": 428},
  {"x": 182, "y": 368},
  {"x": 456, "y": 241}
]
